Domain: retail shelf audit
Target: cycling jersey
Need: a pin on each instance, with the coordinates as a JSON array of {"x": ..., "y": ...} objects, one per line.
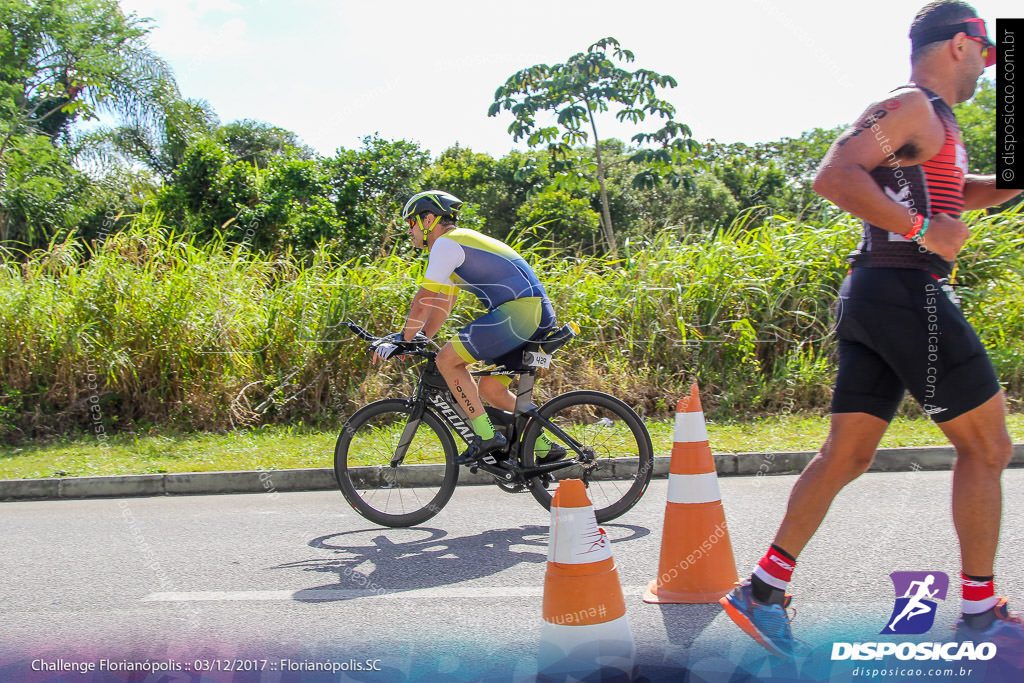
[
  {"x": 490, "y": 269},
  {"x": 518, "y": 307},
  {"x": 935, "y": 186}
]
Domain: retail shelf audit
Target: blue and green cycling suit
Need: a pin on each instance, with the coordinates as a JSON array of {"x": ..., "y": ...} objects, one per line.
[{"x": 518, "y": 307}]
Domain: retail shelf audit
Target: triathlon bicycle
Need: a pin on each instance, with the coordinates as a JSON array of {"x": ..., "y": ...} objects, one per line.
[{"x": 388, "y": 452}]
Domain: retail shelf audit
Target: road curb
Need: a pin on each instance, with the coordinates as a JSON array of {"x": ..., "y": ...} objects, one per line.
[{"x": 320, "y": 479}]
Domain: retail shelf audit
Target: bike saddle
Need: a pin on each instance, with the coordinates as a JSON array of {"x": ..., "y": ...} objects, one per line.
[{"x": 543, "y": 343}]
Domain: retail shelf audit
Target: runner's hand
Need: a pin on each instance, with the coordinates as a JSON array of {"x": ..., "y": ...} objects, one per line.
[{"x": 945, "y": 236}]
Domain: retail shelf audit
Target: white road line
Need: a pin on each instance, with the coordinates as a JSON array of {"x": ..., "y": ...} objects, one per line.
[{"x": 326, "y": 594}]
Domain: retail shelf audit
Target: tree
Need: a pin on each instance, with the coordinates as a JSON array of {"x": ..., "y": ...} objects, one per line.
[
  {"x": 708, "y": 207},
  {"x": 977, "y": 120},
  {"x": 259, "y": 142},
  {"x": 494, "y": 190},
  {"x": 778, "y": 174},
  {"x": 69, "y": 59},
  {"x": 369, "y": 184},
  {"x": 62, "y": 61},
  {"x": 752, "y": 183},
  {"x": 575, "y": 92},
  {"x": 37, "y": 193},
  {"x": 160, "y": 148},
  {"x": 555, "y": 213}
]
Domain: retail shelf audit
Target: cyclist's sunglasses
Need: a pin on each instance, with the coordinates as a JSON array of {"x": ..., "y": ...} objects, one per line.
[
  {"x": 975, "y": 30},
  {"x": 417, "y": 221}
]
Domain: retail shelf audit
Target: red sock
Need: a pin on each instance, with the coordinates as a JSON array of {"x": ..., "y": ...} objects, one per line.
[
  {"x": 775, "y": 569},
  {"x": 979, "y": 593}
]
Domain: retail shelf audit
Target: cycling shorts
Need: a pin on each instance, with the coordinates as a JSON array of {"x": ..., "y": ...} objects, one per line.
[
  {"x": 503, "y": 329},
  {"x": 900, "y": 330}
]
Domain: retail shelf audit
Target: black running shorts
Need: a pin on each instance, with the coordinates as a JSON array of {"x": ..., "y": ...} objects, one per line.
[{"x": 900, "y": 330}]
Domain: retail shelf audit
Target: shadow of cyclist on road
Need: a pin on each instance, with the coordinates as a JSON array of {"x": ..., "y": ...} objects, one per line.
[{"x": 378, "y": 561}]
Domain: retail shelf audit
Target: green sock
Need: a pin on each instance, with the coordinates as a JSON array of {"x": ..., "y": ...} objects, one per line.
[
  {"x": 483, "y": 426},
  {"x": 542, "y": 445}
]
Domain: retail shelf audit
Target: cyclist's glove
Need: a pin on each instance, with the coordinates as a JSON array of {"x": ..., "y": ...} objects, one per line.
[{"x": 393, "y": 345}]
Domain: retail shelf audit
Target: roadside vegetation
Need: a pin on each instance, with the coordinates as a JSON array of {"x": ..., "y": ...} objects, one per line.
[
  {"x": 288, "y": 447},
  {"x": 155, "y": 330},
  {"x": 173, "y": 274}
]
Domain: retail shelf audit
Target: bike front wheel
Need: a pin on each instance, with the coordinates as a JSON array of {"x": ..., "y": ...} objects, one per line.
[
  {"x": 618, "y": 456},
  {"x": 407, "y": 494}
]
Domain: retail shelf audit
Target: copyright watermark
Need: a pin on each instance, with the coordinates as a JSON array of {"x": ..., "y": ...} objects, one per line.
[{"x": 1009, "y": 160}]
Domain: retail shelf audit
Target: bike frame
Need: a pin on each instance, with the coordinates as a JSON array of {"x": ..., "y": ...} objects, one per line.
[{"x": 431, "y": 396}]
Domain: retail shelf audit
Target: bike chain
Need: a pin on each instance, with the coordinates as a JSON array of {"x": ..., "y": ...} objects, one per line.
[
  {"x": 502, "y": 483},
  {"x": 510, "y": 488}
]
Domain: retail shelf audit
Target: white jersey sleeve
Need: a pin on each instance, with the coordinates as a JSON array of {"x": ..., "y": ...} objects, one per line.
[{"x": 445, "y": 256}]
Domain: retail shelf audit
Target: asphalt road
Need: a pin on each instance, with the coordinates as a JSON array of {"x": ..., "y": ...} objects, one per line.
[{"x": 205, "y": 580}]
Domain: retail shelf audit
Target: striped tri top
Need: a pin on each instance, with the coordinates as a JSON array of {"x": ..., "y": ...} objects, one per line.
[{"x": 934, "y": 186}]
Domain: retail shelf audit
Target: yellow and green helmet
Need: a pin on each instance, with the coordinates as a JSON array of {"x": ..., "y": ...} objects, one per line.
[{"x": 436, "y": 202}]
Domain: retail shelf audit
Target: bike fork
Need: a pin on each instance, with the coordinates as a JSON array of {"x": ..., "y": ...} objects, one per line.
[{"x": 407, "y": 435}]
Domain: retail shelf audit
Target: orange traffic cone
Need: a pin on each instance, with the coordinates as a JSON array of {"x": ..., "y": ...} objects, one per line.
[
  {"x": 697, "y": 564},
  {"x": 585, "y": 631}
]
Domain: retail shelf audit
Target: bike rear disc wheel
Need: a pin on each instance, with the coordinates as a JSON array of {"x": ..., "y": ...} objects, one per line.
[
  {"x": 612, "y": 433},
  {"x": 394, "y": 496}
]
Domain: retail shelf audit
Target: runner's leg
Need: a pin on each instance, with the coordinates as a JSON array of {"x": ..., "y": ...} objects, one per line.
[
  {"x": 847, "y": 453},
  {"x": 983, "y": 450}
]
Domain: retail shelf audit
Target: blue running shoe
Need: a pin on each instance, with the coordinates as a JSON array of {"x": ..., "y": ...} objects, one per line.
[
  {"x": 1007, "y": 632},
  {"x": 767, "y": 624}
]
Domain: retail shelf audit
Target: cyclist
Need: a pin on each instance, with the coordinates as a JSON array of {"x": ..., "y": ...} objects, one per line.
[
  {"x": 902, "y": 168},
  {"x": 518, "y": 311}
]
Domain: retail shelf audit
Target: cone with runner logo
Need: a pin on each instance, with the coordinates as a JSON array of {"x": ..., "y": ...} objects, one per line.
[
  {"x": 585, "y": 631},
  {"x": 696, "y": 564}
]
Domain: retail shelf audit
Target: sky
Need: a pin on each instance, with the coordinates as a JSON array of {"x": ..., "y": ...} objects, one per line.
[{"x": 336, "y": 71}]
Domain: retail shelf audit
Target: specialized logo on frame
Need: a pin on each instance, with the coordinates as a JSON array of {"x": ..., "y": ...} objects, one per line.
[{"x": 917, "y": 596}]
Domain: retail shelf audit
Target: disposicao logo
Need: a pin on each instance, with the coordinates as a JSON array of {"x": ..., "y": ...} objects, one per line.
[{"x": 917, "y": 594}]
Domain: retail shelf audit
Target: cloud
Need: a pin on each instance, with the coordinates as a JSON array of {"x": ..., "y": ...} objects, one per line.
[{"x": 195, "y": 30}]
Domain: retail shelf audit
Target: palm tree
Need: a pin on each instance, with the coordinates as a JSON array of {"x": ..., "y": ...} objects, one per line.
[{"x": 63, "y": 61}]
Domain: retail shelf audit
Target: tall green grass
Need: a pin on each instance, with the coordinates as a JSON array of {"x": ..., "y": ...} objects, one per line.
[{"x": 152, "y": 330}]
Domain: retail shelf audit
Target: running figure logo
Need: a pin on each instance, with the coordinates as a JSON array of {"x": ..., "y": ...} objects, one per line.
[{"x": 916, "y": 596}]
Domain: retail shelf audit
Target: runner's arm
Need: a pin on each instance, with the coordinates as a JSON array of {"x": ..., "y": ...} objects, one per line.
[
  {"x": 980, "y": 192},
  {"x": 844, "y": 174},
  {"x": 844, "y": 177}
]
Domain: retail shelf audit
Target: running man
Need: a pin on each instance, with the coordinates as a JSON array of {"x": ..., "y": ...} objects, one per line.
[
  {"x": 518, "y": 311},
  {"x": 902, "y": 169},
  {"x": 917, "y": 591}
]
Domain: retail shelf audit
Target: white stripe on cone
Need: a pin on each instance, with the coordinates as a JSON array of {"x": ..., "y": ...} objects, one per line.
[
  {"x": 576, "y": 538},
  {"x": 693, "y": 488},
  {"x": 573, "y": 651},
  {"x": 690, "y": 427}
]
